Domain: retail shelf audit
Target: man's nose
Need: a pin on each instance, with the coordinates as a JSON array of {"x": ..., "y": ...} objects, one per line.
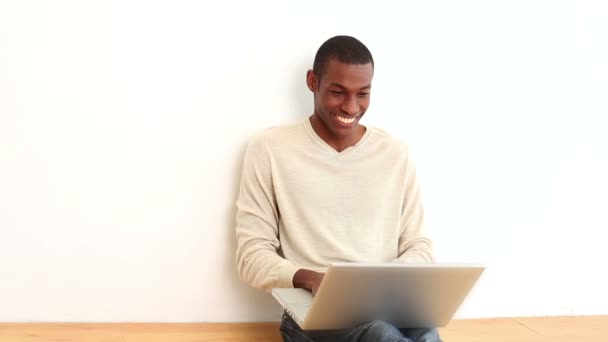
[{"x": 350, "y": 106}]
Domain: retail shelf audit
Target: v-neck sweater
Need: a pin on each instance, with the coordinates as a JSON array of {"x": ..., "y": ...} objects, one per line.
[{"x": 302, "y": 204}]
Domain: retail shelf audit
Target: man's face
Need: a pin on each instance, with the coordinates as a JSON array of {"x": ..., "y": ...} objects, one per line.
[{"x": 342, "y": 95}]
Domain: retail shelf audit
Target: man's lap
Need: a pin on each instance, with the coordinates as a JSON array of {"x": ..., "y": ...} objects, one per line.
[{"x": 375, "y": 331}]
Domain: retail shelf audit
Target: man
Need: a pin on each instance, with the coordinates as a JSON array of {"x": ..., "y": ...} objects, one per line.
[{"x": 329, "y": 189}]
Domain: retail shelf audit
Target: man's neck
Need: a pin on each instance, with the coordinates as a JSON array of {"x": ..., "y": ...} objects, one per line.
[{"x": 336, "y": 142}]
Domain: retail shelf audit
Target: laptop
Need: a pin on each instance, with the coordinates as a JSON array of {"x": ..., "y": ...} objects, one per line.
[{"x": 406, "y": 295}]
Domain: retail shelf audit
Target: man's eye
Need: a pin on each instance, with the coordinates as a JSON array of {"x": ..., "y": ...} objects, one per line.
[
  {"x": 336, "y": 92},
  {"x": 363, "y": 94}
]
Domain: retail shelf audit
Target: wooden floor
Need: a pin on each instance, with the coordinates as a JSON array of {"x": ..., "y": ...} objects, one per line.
[{"x": 554, "y": 329}]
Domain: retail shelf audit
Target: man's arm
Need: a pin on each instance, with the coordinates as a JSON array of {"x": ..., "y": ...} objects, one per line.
[
  {"x": 414, "y": 246},
  {"x": 258, "y": 262}
]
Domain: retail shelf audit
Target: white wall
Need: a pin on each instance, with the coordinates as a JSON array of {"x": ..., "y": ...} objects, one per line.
[{"x": 123, "y": 125}]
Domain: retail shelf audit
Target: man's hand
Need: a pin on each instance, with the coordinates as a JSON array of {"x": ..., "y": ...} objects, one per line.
[{"x": 307, "y": 279}]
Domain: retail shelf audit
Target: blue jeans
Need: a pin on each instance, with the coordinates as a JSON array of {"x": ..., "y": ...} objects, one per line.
[{"x": 375, "y": 331}]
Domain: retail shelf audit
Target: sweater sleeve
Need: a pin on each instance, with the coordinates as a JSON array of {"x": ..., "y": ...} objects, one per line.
[
  {"x": 257, "y": 221},
  {"x": 414, "y": 245}
]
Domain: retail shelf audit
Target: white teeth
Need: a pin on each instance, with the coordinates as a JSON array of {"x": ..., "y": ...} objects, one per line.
[{"x": 345, "y": 120}]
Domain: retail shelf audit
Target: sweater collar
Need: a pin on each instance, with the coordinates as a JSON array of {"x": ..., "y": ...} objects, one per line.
[{"x": 325, "y": 146}]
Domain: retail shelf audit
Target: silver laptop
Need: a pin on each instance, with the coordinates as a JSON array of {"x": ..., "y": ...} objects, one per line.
[{"x": 406, "y": 295}]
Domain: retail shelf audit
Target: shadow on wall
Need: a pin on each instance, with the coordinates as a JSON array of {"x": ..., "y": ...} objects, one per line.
[
  {"x": 300, "y": 95},
  {"x": 257, "y": 305}
]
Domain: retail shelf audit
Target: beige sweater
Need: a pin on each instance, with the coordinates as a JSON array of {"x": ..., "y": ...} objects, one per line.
[{"x": 304, "y": 205}]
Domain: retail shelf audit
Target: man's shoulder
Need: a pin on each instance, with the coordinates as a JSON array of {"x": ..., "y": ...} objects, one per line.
[
  {"x": 280, "y": 131},
  {"x": 386, "y": 141},
  {"x": 275, "y": 136}
]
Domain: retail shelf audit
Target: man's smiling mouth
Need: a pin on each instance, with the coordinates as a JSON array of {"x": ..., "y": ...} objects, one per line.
[{"x": 345, "y": 120}]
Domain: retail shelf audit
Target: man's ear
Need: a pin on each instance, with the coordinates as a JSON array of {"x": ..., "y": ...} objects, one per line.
[{"x": 311, "y": 81}]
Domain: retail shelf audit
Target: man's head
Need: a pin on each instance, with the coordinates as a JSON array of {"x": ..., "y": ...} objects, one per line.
[
  {"x": 341, "y": 81},
  {"x": 344, "y": 49}
]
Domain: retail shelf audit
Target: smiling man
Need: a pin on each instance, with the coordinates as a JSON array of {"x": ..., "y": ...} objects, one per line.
[
  {"x": 341, "y": 94},
  {"x": 329, "y": 189}
]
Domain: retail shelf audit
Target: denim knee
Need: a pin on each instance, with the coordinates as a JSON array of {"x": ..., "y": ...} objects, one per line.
[{"x": 383, "y": 331}]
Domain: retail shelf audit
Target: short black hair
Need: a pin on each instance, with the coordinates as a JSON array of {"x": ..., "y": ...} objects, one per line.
[{"x": 345, "y": 49}]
